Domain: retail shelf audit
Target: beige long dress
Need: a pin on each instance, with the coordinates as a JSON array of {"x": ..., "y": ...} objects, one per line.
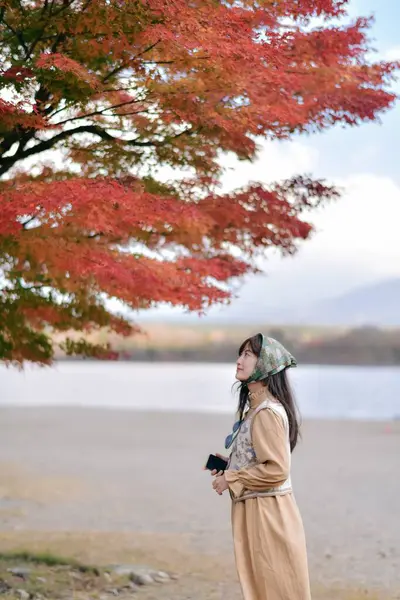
[{"x": 268, "y": 534}]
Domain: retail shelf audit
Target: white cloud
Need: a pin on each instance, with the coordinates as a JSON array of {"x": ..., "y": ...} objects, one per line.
[
  {"x": 357, "y": 243},
  {"x": 363, "y": 226},
  {"x": 360, "y": 230},
  {"x": 275, "y": 161},
  {"x": 392, "y": 53}
]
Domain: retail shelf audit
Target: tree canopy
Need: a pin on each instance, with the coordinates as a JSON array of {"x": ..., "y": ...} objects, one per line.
[{"x": 96, "y": 96}]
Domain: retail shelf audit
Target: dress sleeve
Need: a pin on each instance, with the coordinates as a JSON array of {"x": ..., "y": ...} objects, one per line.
[{"x": 269, "y": 439}]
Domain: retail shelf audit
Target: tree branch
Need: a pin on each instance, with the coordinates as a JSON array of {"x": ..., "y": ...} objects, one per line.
[
  {"x": 172, "y": 62},
  {"x": 8, "y": 162},
  {"x": 28, "y": 221},
  {"x": 65, "y": 6},
  {"x": 17, "y": 34},
  {"x": 60, "y": 110},
  {"x": 102, "y": 111},
  {"x": 125, "y": 65},
  {"x": 104, "y": 135},
  {"x": 51, "y": 7},
  {"x": 21, "y": 8},
  {"x": 9, "y": 140}
]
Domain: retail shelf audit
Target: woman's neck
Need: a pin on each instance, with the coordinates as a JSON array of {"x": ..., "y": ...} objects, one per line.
[
  {"x": 257, "y": 393},
  {"x": 255, "y": 387}
]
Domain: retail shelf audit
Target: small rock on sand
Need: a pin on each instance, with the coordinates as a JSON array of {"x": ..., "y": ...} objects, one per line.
[
  {"x": 141, "y": 575},
  {"x": 22, "y": 572},
  {"x": 4, "y": 587},
  {"x": 142, "y": 578}
]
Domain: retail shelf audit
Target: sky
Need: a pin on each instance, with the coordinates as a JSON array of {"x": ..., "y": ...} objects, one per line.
[{"x": 357, "y": 239}]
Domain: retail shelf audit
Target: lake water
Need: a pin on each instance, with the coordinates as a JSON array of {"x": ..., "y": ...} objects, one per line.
[{"x": 322, "y": 392}]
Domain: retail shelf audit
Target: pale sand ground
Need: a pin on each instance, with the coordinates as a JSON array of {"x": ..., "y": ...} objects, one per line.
[{"x": 133, "y": 483}]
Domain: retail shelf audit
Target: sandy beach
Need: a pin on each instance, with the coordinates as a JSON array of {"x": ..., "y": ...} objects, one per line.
[{"x": 122, "y": 486}]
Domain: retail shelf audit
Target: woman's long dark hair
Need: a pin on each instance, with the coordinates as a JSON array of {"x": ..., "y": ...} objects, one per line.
[{"x": 278, "y": 386}]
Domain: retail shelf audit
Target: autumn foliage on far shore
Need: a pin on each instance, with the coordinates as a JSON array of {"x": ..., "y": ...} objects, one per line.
[{"x": 97, "y": 96}]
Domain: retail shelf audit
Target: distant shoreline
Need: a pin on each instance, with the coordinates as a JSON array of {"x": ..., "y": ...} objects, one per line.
[{"x": 365, "y": 346}]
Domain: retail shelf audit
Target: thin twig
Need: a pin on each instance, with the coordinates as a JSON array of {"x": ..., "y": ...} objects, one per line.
[
  {"x": 126, "y": 64},
  {"x": 18, "y": 35},
  {"x": 100, "y": 112}
]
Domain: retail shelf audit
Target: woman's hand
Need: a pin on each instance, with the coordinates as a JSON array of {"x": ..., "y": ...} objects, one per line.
[{"x": 220, "y": 484}]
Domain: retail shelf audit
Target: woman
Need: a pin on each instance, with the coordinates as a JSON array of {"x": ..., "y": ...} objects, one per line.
[{"x": 268, "y": 533}]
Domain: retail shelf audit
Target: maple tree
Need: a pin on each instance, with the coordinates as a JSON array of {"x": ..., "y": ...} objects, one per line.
[{"x": 96, "y": 95}]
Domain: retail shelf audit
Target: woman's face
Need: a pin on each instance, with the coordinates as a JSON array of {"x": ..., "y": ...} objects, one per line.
[{"x": 245, "y": 364}]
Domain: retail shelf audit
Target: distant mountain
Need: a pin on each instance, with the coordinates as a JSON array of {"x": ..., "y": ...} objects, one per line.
[
  {"x": 371, "y": 305},
  {"x": 377, "y": 304}
]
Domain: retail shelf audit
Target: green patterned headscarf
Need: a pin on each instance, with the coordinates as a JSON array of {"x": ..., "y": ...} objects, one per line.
[{"x": 273, "y": 358}]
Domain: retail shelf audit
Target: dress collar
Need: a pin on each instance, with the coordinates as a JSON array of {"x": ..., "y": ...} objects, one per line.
[{"x": 255, "y": 398}]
